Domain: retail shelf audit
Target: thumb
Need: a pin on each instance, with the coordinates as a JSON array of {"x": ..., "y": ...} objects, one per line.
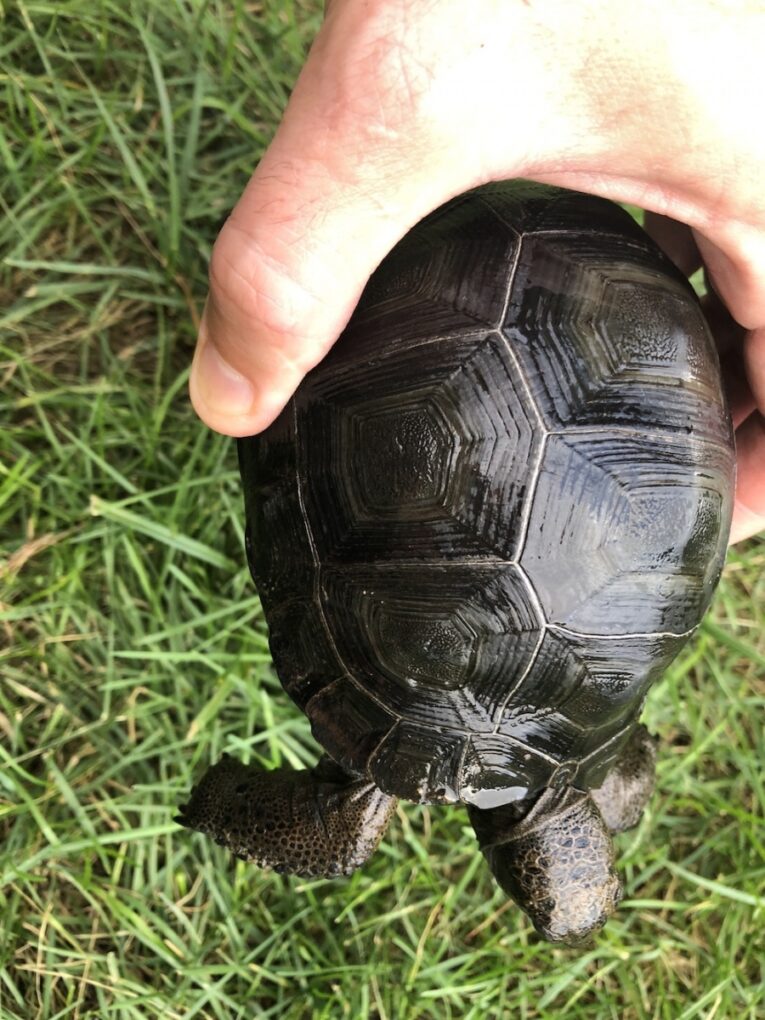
[
  {"x": 337, "y": 188},
  {"x": 394, "y": 113}
]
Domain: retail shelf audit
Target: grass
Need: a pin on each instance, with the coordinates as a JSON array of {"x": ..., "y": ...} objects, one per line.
[{"x": 132, "y": 648}]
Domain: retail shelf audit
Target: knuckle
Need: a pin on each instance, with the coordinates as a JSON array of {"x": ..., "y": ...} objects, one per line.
[{"x": 250, "y": 284}]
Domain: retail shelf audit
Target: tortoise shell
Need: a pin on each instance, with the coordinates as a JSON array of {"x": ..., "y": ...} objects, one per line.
[{"x": 490, "y": 518}]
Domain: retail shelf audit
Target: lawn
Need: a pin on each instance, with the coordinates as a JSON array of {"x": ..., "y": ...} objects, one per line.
[{"x": 132, "y": 645}]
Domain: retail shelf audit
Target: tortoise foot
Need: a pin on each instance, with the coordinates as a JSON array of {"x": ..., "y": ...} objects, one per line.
[
  {"x": 319, "y": 822},
  {"x": 557, "y": 863}
]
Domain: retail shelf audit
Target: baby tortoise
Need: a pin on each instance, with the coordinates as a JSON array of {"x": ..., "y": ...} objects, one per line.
[{"x": 482, "y": 528}]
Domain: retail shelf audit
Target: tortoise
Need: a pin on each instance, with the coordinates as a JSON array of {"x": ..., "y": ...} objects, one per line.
[{"x": 481, "y": 529}]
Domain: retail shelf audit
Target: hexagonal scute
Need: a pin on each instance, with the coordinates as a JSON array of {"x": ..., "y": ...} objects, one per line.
[
  {"x": 627, "y": 534},
  {"x": 420, "y": 764},
  {"x": 447, "y": 275},
  {"x": 606, "y": 338},
  {"x": 595, "y": 682},
  {"x": 431, "y": 460},
  {"x": 439, "y": 645}
]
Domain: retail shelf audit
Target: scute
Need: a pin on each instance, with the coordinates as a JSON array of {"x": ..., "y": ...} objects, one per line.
[
  {"x": 435, "y": 643},
  {"x": 497, "y": 769},
  {"x": 427, "y": 459},
  {"x": 529, "y": 208},
  {"x": 624, "y": 534},
  {"x": 419, "y": 763},
  {"x": 487, "y": 522},
  {"x": 609, "y": 335},
  {"x": 443, "y": 279},
  {"x": 279, "y": 550},
  {"x": 349, "y": 723},
  {"x": 588, "y": 678},
  {"x": 302, "y": 649}
]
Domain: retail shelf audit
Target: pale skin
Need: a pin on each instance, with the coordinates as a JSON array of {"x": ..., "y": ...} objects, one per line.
[{"x": 403, "y": 104}]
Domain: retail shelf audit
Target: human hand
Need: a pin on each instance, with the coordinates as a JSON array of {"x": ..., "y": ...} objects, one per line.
[{"x": 403, "y": 104}]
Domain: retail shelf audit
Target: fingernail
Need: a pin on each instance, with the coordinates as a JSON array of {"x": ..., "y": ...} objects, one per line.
[{"x": 222, "y": 389}]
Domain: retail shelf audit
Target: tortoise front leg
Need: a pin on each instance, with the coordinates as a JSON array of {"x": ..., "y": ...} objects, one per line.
[
  {"x": 557, "y": 862},
  {"x": 556, "y": 859},
  {"x": 319, "y": 822}
]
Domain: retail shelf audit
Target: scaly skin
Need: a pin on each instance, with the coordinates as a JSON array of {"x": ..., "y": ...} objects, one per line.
[
  {"x": 557, "y": 860},
  {"x": 319, "y": 822},
  {"x": 627, "y": 787},
  {"x": 557, "y": 863}
]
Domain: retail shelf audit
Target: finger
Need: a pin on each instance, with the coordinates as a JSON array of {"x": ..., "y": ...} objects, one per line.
[
  {"x": 736, "y": 273},
  {"x": 676, "y": 240},
  {"x": 729, "y": 334},
  {"x": 754, "y": 360},
  {"x": 749, "y": 506},
  {"x": 734, "y": 259},
  {"x": 345, "y": 177},
  {"x": 737, "y": 389}
]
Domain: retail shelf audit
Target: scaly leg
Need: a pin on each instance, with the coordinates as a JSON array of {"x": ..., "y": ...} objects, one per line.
[
  {"x": 556, "y": 857},
  {"x": 319, "y": 822},
  {"x": 557, "y": 862}
]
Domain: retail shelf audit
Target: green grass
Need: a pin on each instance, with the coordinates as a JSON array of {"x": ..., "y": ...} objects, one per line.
[{"x": 132, "y": 648}]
